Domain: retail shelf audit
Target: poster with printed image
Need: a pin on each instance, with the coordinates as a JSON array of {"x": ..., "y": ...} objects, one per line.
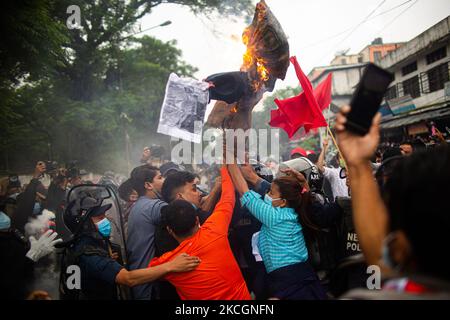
[{"x": 183, "y": 110}]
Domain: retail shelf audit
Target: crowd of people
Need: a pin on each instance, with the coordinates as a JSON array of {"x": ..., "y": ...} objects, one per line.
[{"x": 308, "y": 231}]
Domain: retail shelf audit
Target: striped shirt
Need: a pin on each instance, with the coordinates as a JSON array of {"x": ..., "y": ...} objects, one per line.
[{"x": 281, "y": 240}]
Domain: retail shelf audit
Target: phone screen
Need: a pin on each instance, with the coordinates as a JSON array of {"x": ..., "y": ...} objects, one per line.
[{"x": 367, "y": 98}]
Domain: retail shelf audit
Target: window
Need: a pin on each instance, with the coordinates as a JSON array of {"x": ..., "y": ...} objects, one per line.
[
  {"x": 343, "y": 61},
  {"x": 391, "y": 93},
  {"x": 411, "y": 87},
  {"x": 409, "y": 68},
  {"x": 376, "y": 55},
  {"x": 360, "y": 59},
  {"x": 438, "y": 76},
  {"x": 436, "y": 55}
]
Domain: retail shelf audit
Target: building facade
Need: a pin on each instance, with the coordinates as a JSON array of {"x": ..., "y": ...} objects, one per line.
[{"x": 421, "y": 90}]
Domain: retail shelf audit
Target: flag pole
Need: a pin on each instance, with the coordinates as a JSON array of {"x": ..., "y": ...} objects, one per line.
[
  {"x": 335, "y": 143},
  {"x": 329, "y": 132}
]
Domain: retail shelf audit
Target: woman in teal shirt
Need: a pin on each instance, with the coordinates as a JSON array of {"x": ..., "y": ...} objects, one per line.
[{"x": 281, "y": 240}]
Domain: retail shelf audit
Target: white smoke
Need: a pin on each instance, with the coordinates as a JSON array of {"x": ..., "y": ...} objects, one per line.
[{"x": 39, "y": 225}]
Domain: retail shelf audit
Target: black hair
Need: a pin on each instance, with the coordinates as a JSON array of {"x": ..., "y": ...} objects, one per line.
[
  {"x": 291, "y": 190},
  {"x": 406, "y": 142},
  {"x": 141, "y": 175},
  {"x": 391, "y": 152},
  {"x": 417, "y": 200},
  {"x": 313, "y": 157},
  {"x": 174, "y": 182},
  {"x": 181, "y": 217},
  {"x": 125, "y": 190}
]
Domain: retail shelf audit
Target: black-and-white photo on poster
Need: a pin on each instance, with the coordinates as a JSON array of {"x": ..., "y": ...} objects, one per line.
[{"x": 183, "y": 110}]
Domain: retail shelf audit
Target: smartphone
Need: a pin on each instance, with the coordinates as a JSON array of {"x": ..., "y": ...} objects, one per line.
[{"x": 367, "y": 98}]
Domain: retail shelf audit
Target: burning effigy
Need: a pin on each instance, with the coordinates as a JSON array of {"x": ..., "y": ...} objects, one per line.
[
  {"x": 265, "y": 60},
  {"x": 236, "y": 93}
]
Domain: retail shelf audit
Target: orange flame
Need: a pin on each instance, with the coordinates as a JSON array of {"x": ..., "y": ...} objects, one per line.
[{"x": 251, "y": 60}]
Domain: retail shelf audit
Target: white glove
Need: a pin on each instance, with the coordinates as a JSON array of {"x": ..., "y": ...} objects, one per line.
[{"x": 42, "y": 247}]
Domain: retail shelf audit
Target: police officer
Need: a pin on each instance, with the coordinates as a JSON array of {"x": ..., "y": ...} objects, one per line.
[
  {"x": 18, "y": 256},
  {"x": 100, "y": 268}
]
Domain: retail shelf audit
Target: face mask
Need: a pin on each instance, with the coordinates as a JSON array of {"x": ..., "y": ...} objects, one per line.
[
  {"x": 104, "y": 227},
  {"x": 5, "y": 221},
  {"x": 268, "y": 199},
  {"x": 36, "y": 208}
]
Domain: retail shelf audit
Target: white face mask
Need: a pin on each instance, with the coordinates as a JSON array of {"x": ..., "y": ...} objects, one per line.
[{"x": 268, "y": 199}]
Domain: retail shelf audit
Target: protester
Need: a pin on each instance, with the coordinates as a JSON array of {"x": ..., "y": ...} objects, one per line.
[
  {"x": 406, "y": 148},
  {"x": 218, "y": 276},
  {"x": 281, "y": 241},
  {"x": 395, "y": 234},
  {"x": 298, "y": 152},
  {"x": 242, "y": 228},
  {"x": 181, "y": 185},
  {"x": 29, "y": 202},
  {"x": 338, "y": 186},
  {"x": 101, "y": 273},
  {"x": 144, "y": 218}
]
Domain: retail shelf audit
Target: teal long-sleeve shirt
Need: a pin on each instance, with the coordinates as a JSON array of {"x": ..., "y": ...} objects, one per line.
[{"x": 281, "y": 241}]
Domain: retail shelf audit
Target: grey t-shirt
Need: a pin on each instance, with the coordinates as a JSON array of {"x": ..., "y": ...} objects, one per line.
[{"x": 142, "y": 223}]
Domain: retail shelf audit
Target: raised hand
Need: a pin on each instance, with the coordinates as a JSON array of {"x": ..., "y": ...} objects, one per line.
[{"x": 354, "y": 148}]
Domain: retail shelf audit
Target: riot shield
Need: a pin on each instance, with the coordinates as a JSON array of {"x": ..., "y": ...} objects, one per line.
[{"x": 105, "y": 195}]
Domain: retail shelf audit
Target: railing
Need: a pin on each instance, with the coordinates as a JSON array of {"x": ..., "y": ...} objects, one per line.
[{"x": 432, "y": 80}]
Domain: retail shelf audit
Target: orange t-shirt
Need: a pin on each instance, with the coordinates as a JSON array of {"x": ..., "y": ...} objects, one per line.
[{"x": 218, "y": 276}]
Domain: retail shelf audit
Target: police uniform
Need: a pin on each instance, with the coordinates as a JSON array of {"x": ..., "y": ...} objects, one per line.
[{"x": 98, "y": 269}]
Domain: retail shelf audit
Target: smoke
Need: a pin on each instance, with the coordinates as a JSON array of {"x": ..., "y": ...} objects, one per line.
[{"x": 39, "y": 225}]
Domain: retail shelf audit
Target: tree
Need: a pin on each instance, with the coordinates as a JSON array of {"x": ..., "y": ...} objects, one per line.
[
  {"x": 105, "y": 24},
  {"x": 49, "y": 123},
  {"x": 31, "y": 42},
  {"x": 71, "y": 103}
]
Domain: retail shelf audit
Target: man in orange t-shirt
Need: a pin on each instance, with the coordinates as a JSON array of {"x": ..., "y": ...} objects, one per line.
[{"x": 218, "y": 276}]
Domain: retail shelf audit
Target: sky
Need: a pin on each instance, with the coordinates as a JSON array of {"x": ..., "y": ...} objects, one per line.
[{"x": 314, "y": 30}]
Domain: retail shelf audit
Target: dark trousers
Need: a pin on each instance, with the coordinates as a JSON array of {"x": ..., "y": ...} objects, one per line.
[{"x": 296, "y": 282}]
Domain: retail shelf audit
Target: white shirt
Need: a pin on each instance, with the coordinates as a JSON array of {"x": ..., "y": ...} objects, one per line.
[{"x": 338, "y": 185}]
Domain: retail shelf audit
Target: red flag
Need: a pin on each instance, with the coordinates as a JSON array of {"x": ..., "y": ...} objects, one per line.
[
  {"x": 322, "y": 93},
  {"x": 305, "y": 109}
]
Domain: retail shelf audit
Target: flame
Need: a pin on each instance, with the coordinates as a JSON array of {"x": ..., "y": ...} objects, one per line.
[
  {"x": 250, "y": 61},
  {"x": 262, "y": 70}
]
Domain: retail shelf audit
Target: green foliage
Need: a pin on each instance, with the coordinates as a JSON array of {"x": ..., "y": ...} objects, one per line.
[{"x": 76, "y": 94}]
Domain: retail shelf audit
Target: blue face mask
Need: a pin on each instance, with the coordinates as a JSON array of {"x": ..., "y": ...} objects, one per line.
[
  {"x": 36, "y": 208},
  {"x": 5, "y": 221},
  {"x": 104, "y": 227}
]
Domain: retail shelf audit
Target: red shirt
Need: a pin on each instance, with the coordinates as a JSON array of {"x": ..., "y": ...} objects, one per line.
[{"x": 218, "y": 276}]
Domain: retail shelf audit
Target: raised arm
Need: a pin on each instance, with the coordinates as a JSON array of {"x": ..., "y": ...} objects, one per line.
[
  {"x": 238, "y": 179},
  {"x": 321, "y": 160},
  {"x": 369, "y": 212},
  {"x": 210, "y": 201},
  {"x": 221, "y": 217}
]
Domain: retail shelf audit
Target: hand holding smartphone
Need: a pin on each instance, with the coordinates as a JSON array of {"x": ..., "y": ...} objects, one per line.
[{"x": 367, "y": 98}]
